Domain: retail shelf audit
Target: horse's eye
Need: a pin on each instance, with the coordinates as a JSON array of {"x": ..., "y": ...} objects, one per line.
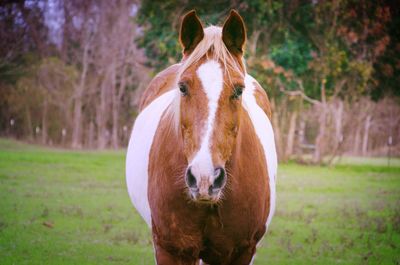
[
  {"x": 183, "y": 88},
  {"x": 237, "y": 91}
]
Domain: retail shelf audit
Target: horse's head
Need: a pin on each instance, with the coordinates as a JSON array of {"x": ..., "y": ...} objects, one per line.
[{"x": 211, "y": 82}]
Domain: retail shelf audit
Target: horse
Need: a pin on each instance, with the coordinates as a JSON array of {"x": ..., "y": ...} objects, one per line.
[{"x": 201, "y": 162}]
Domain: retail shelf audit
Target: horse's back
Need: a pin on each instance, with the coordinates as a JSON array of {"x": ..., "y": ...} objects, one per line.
[{"x": 262, "y": 98}]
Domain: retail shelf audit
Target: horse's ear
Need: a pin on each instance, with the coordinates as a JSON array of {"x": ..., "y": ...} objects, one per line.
[
  {"x": 234, "y": 33},
  {"x": 191, "y": 32}
]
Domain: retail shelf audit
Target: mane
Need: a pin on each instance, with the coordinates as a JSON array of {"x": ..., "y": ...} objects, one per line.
[{"x": 213, "y": 47}]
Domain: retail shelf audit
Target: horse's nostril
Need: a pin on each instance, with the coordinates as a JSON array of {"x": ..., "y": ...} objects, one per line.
[
  {"x": 220, "y": 178},
  {"x": 190, "y": 179}
]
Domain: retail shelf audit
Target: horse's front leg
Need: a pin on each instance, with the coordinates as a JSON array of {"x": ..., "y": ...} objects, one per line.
[{"x": 165, "y": 257}]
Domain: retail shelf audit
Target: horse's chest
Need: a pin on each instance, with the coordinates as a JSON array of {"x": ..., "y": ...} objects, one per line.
[
  {"x": 225, "y": 235},
  {"x": 208, "y": 231},
  {"x": 235, "y": 223}
]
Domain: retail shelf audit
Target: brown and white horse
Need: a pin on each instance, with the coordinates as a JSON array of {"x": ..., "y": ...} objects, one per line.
[{"x": 201, "y": 163}]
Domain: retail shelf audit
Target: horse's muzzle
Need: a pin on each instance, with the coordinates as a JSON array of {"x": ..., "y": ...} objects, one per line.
[{"x": 204, "y": 188}]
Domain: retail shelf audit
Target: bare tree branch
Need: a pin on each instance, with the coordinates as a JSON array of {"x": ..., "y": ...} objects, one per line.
[{"x": 299, "y": 93}]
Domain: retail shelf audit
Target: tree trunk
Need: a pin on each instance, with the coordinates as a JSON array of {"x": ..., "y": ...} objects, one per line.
[
  {"x": 300, "y": 137},
  {"x": 115, "y": 109},
  {"x": 29, "y": 123},
  {"x": 357, "y": 137},
  {"x": 291, "y": 134},
  {"x": 77, "y": 119},
  {"x": 366, "y": 134},
  {"x": 277, "y": 131},
  {"x": 101, "y": 117},
  {"x": 319, "y": 141},
  {"x": 91, "y": 135},
  {"x": 76, "y": 125},
  {"x": 44, "y": 122},
  {"x": 252, "y": 42},
  {"x": 338, "y": 123},
  {"x": 114, "y": 136}
]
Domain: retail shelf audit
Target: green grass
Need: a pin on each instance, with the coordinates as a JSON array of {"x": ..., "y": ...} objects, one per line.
[{"x": 347, "y": 214}]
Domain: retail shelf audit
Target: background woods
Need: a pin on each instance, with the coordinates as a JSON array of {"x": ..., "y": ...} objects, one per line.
[{"x": 71, "y": 72}]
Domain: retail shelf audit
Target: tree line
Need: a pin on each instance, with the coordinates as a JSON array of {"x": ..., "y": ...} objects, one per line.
[{"x": 71, "y": 72}]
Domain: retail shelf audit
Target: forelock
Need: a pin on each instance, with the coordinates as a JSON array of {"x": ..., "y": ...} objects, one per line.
[{"x": 213, "y": 47}]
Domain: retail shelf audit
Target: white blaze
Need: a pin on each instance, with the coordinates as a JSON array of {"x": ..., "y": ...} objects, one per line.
[{"x": 210, "y": 75}]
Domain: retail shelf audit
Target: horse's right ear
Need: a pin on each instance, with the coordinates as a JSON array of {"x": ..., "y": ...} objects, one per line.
[{"x": 191, "y": 32}]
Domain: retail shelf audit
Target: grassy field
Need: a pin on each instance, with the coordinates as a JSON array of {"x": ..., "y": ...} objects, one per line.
[{"x": 64, "y": 207}]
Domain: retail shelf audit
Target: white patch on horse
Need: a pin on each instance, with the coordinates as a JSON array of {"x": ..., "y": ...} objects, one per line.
[
  {"x": 210, "y": 75},
  {"x": 263, "y": 128},
  {"x": 137, "y": 157}
]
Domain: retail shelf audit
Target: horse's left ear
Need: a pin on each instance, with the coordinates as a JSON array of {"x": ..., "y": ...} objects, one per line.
[
  {"x": 234, "y": 33},
  {"x": 191, "y": 32}
]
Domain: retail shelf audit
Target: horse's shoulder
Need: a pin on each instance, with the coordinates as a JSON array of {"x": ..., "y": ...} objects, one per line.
[
  {"x": 160, "y": 84},
  {"x": 262, "y": 98}
]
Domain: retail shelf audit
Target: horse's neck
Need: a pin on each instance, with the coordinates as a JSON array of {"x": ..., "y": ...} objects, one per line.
[
  {"x": 246, "y": 142},
  {"x": 161, "y": 83},
  {"x": 248, "y": 148}
]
